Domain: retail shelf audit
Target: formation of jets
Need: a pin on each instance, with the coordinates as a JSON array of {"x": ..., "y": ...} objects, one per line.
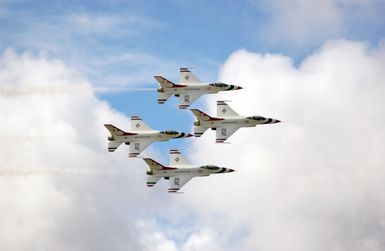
[{"x": 180, "y": 170}]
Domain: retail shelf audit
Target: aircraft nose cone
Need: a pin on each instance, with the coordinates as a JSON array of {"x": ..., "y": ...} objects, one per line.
[
  {"x": 277, "y": 121},
  {"x": 189, "y": 135},
  {"x": 239, "y": 88},
  {"x": 231, "y": 170}
]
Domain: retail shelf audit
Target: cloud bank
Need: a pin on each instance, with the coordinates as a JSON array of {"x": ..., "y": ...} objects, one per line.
[{"x": 314, "y": 182}]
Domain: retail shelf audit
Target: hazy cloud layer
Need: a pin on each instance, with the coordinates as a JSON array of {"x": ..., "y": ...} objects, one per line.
[{"x": 300, "y": 24}]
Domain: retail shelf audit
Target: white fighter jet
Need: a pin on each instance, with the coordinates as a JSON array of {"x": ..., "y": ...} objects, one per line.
[
  {"x": 189, "y": 89},
  {"x": 226, "y": 123},
  {"x": 179, "y": 172},
  {"x": 139, "y": 137}
]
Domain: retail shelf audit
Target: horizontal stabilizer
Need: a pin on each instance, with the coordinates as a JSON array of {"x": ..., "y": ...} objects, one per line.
[
  {"x": 199, "y": 130},
  {"x": 162, "y": 97},
  {"x": 112, "y": 145},
  {"x": 151, "y": 180}
]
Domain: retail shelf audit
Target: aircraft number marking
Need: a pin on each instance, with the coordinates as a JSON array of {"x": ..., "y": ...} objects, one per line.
[
  {"x": 177, "y": 159},
  {"x": 224, "y": 110},
  {"x": 187, "y": 77},
  {"x": 224, "y": 131},
  {"x": 137, "y": 125},
  {"x": 137, "y": 146},
  {"x": 187, "y": 98},
  {"x": 176, "y": 182}
]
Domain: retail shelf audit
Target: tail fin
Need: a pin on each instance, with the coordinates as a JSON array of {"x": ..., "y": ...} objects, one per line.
[
  {"x": 164, "y": 82},
  {"x": 114, "y": 130},
  {"x": 155, "y": 165},
  {"x": 201, "y": 116}
]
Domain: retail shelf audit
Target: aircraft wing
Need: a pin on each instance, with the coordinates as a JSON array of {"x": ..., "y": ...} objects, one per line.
[
  {"x": 186, "y": 76},
  {"x": 177, "y": 182},
  {"x": 224, "y": 110},
  {"x": 178, "y": 159},
  {"x": 137, "y": 124},
  {"x": 186, "y": 99},
  {"x": 136, "y": 147},
  {"x": 223, "y": 133}
]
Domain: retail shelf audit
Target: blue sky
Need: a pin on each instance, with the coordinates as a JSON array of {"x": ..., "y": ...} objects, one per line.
[{"x": 125, "y": 43}]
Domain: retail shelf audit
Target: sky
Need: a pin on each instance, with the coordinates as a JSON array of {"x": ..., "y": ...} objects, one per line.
[{"x": 313, "y": 182}]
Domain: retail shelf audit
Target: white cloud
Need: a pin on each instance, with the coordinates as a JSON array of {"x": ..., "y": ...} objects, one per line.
[
  {"x": 314, "y": 182},
  {"x": 45, "y": 137}
]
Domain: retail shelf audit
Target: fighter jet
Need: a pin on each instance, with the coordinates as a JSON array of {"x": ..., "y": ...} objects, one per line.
[
  {"x": 189, "y": 89},
  {"x": 139, "y": 137},
  {"x": 226, "y": 123},
  {"x": 179, "y": 172}
]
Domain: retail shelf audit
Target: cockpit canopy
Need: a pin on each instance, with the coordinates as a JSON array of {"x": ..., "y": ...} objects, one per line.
[
  {"x": 210, "y": 167},
  {"x": 256, "y": 118},
  {"x": 169, "y": 132},
  {"x": 219, "y": 84}
]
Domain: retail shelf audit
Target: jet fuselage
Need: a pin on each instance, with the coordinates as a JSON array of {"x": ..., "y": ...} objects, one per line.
[
  {"x": 238, "y": 121},
  {"x": 197, "y": 87},
  {"x": 147, "y": 135},
  {"x": 191, "y": 170}
]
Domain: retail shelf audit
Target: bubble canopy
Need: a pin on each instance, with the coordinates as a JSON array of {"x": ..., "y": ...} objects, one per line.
[
  {"x": 219, "y": 84},
  {"x": 210, "y": 167},
  {"x": 169, "y": 132},
  {"x": 256, "y": 118}
]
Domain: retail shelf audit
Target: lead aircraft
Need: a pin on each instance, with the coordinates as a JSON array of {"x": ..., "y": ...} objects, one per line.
[
  {"x": 226, "y": 123},
  {"x": 179, "y": 172},
  {"x": 139, "y": 137},
  {"x": 189, "y": 88}
]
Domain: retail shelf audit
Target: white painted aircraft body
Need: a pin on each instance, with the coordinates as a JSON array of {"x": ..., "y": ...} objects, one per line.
[
  {"x": 189, "y": 89},
  {"x": 226, "y": 123},
  {"x": 179, "y": 172},
  {"x": 139, "y": 137}
]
